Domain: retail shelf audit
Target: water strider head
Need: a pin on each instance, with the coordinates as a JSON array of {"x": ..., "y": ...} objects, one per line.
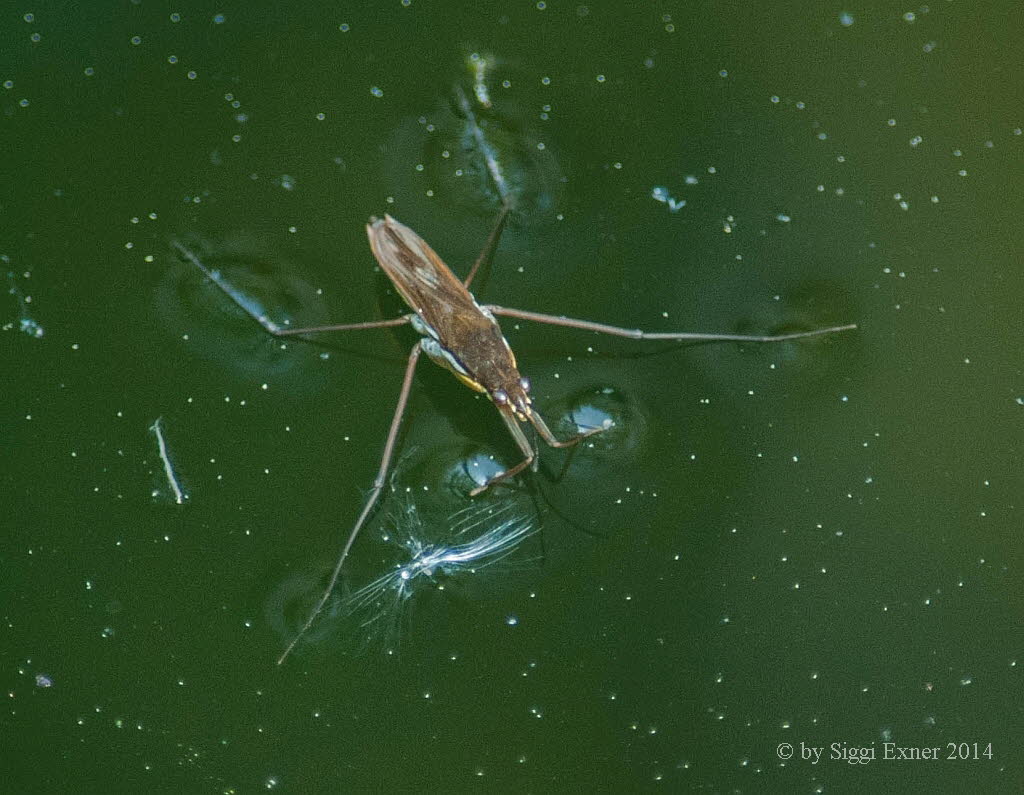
[
  {"x": 487, "y": 365},
  {"x": 514, "y": 395}
]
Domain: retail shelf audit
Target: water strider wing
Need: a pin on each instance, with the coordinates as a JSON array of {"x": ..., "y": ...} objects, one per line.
[{"x": 449, "y": 311}]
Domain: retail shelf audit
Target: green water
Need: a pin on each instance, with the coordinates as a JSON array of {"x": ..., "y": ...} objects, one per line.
[{"x": 810, "y": 543}]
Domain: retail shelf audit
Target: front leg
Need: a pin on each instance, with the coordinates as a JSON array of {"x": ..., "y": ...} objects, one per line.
[
  {"x": 521, "y": 442},
  {"x": 524, "y": 444}
]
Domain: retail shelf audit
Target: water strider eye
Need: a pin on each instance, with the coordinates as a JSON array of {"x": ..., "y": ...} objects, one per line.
[
  {"x": 524, "y": 382},
  {"x": 499, "y": 396}
]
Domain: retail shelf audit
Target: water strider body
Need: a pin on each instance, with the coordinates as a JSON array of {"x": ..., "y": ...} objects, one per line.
[
  {"x": 464, "y": 337},
  {"x": 460, "y": 335}
]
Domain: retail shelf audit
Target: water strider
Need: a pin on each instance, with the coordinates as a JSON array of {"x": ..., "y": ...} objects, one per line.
[{"x": 462, "y": 336}]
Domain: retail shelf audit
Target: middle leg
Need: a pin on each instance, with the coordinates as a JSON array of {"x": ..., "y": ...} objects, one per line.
[
  {"x": 637, "y": 334},
  {"x": 268, "y": 325}
]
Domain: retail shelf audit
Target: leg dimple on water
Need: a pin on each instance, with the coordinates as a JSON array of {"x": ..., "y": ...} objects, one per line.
[
  {"x": 606, "y": 408},
  {"x": 439, "y": 156},
  {"x": 222, "y": 324}
]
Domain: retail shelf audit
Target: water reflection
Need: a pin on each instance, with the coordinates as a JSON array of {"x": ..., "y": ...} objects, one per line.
[
  {"x": 474, "y": 148},
  {"x": 808, "y": 305},
  {"x": 26, "y": 322},
  {"x": 602, "y": 406},
  {"x": 426, "y": 559},
  {"x": 197, "y": 312},
  {"x": 472, "y": 471}
]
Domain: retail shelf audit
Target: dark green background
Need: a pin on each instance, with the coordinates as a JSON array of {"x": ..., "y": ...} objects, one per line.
[{"x": 816, "y": 542}]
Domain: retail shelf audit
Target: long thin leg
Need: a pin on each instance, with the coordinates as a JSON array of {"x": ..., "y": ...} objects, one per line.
[
  {"x": 491, "y": 244},
  {"x": 499, "y": 183},
  {"x": 524, "y": 445},
  {"x": 371, "y": 498},
  {"x": 288, "y": 331},
  {"x": 246, "y": 305},
  {"x": 545, "y": 433},
  {"x": 637, "y": 334}
]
